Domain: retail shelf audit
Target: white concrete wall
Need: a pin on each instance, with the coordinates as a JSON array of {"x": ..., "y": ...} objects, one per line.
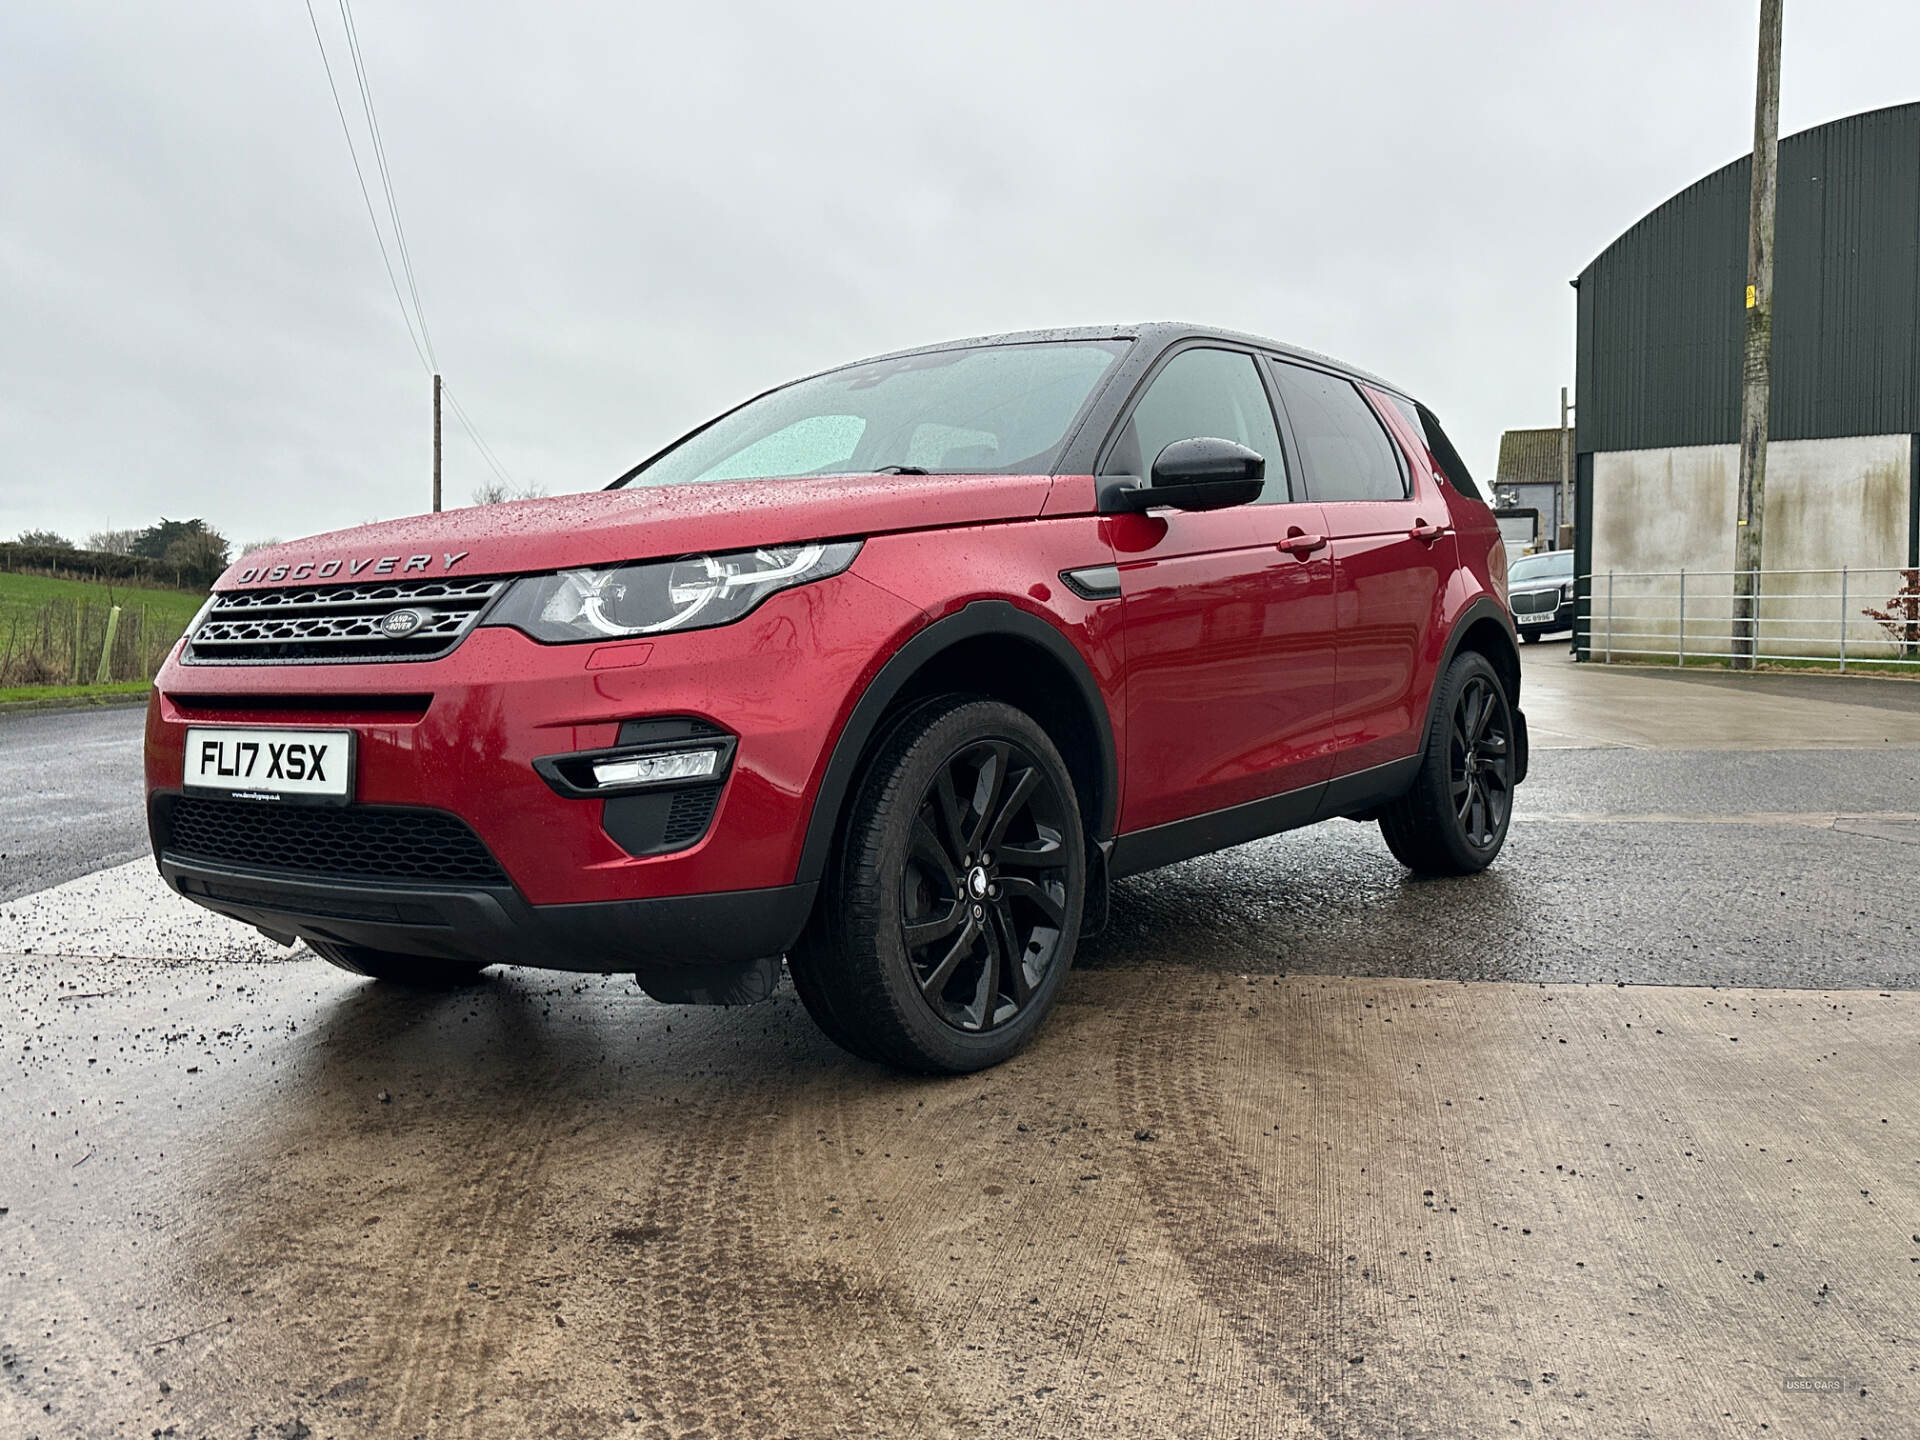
[
  {"x": 1661, "y": 511},
  {"x": 1829, "y": 504}
]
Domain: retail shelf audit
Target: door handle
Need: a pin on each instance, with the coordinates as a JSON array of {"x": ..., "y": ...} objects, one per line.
[
  {"x": 1302, "y": 545},
  {"x": 1429, "y": 533}
]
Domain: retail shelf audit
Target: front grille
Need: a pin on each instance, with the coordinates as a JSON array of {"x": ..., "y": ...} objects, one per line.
[
  {"x": 323, "y": 842},
  {"x": 1535, "y": 602},
  {"x": 322, "y": 624}
]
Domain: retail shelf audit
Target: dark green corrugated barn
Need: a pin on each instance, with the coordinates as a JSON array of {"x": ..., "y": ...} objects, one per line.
[{"x": 1658, "y": 362}]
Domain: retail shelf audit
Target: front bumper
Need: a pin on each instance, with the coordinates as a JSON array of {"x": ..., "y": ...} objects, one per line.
[
  {"x": 682, "y": 948},
  {"x": 462, "y": 735},
  {"x": 1546, "y": 622}
]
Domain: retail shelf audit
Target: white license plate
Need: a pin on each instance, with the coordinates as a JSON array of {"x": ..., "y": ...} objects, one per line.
[{"x": 306, "y": 765}]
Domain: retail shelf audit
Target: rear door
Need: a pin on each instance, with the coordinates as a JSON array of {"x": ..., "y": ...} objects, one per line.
[
  {"x": 1393, "y": 550},
  {"x": 1228, "y": 636}
]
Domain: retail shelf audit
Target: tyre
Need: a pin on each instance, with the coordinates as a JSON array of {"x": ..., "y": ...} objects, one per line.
[
  {"x": 1454, "y": 819},
  {"x": 953, "y": 898},
  {"x": 425, "y": 972}
]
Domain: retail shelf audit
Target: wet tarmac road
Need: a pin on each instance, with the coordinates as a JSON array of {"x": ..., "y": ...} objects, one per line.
[
  {"x": 1299, "y": 1155},
  {"x": 70, "y": 787}
]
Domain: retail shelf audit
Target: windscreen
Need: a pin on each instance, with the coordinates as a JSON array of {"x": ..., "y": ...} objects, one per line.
[
  {"x": 989, "y": 409},
  {"x": 1555, "y": 565}
]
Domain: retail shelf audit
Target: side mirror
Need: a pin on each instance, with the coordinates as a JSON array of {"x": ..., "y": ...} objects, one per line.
[{"x": 1206, "y": 473}]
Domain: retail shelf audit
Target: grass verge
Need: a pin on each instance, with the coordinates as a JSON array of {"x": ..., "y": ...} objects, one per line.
[{"x": 60, "y": 697}]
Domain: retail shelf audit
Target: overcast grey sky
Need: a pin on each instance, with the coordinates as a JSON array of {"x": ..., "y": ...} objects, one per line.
[{"x": 625, "y": 217}]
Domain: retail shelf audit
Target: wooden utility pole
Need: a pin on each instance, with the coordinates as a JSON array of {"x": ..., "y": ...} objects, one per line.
[
  {"x": 1756, "y": 371},
  {"x": 436, "y": 441}
]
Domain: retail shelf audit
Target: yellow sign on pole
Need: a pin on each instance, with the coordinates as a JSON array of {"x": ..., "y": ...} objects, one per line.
[{"x": 1751, "y": 298}]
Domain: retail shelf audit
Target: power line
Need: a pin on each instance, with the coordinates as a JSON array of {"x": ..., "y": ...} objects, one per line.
[
  {"x": 494, "y": 463},
  {"x": 354, "y": 154},
  {"x": 386, "y": 177},
  {"x": 414, "y": 317}
]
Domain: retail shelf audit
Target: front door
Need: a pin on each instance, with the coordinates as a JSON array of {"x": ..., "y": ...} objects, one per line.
[{"x": 1228, "y": 614}]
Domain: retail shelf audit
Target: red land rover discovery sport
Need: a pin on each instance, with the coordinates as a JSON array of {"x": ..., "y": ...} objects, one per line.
[{"x": 888, "y": 672}]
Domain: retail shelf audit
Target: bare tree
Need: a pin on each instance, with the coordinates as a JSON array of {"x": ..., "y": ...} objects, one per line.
[
  {"x": 496, "y": 491},
  {"x": 112, "y": 542}
]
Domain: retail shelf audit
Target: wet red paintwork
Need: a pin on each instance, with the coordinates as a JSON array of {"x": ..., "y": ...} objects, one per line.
[
  {"x": 611, "y": 526},
  {"x": 783, "y": 679},
  {"x": 1230, "y": 665},
  {"x": 1223, "y": 681}
]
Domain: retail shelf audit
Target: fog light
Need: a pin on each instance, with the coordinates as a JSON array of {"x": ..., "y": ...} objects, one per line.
[{"x": 652, "y": 769}]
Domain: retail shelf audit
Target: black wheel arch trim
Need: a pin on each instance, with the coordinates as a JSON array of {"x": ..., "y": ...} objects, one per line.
[
  {"x": 1486, "y": 607},
  {"x": 980, "y": 618}
]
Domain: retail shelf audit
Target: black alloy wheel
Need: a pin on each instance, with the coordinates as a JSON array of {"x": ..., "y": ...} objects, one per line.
[
  {"x": 952, "y": 902},
  {"x": 1453, "y": 819},
  {"x": 984, "y": 894},
  {"x": 1480, "y": 762}
]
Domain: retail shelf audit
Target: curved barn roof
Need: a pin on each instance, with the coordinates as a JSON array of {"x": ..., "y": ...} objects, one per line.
[{"x": 1662, "y": 312}]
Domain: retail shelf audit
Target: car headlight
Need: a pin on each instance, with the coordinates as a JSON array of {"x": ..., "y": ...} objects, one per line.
[{"x": 694, "y": 592}]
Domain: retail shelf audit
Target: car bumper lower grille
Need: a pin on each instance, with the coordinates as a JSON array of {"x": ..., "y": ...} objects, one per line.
[
  {"x": 340, "y": 843},
  {"x": 322, "y": 624},
  {"x": 1536, "y": 602}
]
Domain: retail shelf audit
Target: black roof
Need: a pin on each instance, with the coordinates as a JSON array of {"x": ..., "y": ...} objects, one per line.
[{"x": 1157, "y": 332}]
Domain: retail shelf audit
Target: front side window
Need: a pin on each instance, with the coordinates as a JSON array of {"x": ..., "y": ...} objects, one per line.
[
  {"x": 1213, "y": 394},
  {"x": 1343, "y": 446},
  {"x": 986, "y": 409}
]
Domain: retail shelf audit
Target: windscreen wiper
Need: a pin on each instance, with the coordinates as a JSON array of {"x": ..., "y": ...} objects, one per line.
[{"x": 901, "y": 470}]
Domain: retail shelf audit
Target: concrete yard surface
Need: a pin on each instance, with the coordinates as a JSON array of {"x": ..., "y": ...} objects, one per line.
[
  {"x": 1581, "y": 706},
  {"x": 1205, "y": 1205}
]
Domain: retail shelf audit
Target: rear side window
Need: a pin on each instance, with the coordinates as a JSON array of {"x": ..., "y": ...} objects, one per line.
[
  {"x": 1427, "y": 424},
  {"x": 1344, "y": 448},
  {"x": 1210, "y": 393}
]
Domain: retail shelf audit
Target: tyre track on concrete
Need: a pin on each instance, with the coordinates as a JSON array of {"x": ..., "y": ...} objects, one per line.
[
  {"x": 732, "y": 1336},
  {"x": 417, "y": 1295},
  {"x": 1289, "y": 1309},
  {"x": 1043, "y": 1315},
  {"x": 450, "y": 1355},
  {"x": 902, "y": 1352},
  {"x": 889, "y": 1174}
]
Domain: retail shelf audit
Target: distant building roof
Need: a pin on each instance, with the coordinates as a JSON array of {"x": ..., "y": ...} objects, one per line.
[{"x": 1530, "y": 457}]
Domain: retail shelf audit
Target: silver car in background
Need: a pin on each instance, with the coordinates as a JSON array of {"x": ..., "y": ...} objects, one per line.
[{"x": 1540, "y": 592}]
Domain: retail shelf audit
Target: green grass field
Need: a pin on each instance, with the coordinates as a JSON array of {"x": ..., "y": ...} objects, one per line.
[
  {"x": 23, "y": 595},
  {"x": 52, "y": 632}
]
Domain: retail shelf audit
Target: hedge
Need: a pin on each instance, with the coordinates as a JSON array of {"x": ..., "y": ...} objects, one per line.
[{"x": 96, "y": 565}]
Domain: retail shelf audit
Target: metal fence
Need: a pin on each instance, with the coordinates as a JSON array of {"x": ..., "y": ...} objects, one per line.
[{"x": 1841, "y": 617}]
